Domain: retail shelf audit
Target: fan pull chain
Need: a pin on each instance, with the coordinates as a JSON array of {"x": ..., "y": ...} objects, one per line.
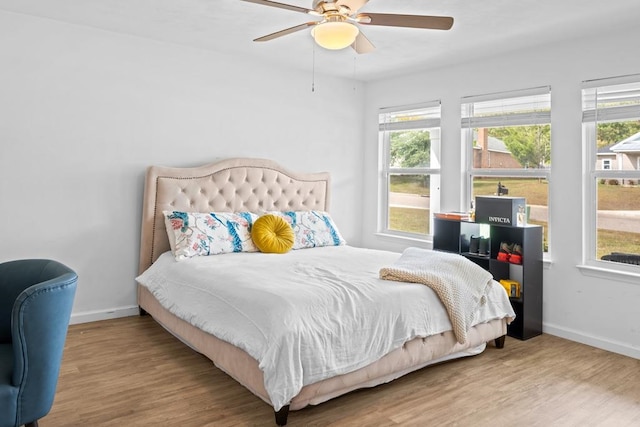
[
  {"x": 354, "y": 72},
  {"x": 313, "y": 70},
  {"x": 355, "y": 55}
]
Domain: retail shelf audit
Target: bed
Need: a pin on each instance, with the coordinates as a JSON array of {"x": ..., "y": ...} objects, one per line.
[{"x": 261, "y": 186}]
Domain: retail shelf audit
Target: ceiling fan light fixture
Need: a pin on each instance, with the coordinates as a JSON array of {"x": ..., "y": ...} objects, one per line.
[{"x": 335, "y": 35}]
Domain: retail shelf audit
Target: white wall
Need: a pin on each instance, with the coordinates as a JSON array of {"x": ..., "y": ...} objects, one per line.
[
  {"x": 83, "y": 113},
  {"x": 603, "y": 312}
]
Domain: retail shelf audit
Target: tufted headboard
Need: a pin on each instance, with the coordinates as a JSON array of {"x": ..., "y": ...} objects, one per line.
[{"x": 231, "y": 185}]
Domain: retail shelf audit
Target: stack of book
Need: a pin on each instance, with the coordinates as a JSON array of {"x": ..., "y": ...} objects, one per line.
[{"x": 460, "y": 216}]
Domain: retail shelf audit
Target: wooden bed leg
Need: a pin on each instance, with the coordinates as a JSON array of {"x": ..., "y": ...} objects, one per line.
[
  {"x": 282, "y": 415},
  {"x": 500, "y": 341},
  {"x": 142, "y": 311}
]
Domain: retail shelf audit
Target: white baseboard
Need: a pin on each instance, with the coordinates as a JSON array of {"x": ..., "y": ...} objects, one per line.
[
  {"x": 570, "y": 334},
  {"x": 112, "y": 313},
  {"x": 598, "y": 342}
]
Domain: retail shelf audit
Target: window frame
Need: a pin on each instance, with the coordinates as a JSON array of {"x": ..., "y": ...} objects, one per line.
[
  {"x": 469, "y": 123},
  {"x": 592, "y": 175},
  {"x": 385, "y": 170}
]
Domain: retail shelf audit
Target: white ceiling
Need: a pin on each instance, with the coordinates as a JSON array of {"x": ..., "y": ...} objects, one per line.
[{"x": 481, "y": 28}]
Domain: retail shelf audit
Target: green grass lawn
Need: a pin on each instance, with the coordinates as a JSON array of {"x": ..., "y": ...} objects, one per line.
[
  {"x": 410, "y": 184},
  {"x": 610, "y": 197},
  {"x": 536, "y": 191},
  {"x": 618, "y": 198},
  {"x": 617, "y": 241},
  {"x": 409, "y": 220}
]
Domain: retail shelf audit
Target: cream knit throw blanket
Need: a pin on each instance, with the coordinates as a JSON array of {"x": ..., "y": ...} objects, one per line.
[{"x": 460, "y": 284}]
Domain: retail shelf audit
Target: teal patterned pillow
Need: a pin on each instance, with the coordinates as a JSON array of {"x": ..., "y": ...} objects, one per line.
[
  {"x": 312, "y": 229},
  {"x": 201, "y": 234}
]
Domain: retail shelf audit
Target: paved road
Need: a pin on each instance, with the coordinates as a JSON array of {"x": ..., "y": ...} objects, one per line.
[
  {"x": 404, "y": 200},
  {"x": 607, "y": 220}
]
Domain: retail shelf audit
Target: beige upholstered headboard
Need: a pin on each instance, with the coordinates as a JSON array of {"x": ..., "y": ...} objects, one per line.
[{"x": 231, "y": 185}]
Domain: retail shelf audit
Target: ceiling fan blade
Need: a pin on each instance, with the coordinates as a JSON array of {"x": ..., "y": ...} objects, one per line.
[
  {"x": 285, "y": 32},
  {"x": 354, "y": 5},
  {"x": 411, "y": 21},
  {"x": 362, "y": 44},
  {"x": 283, "y": 6}
]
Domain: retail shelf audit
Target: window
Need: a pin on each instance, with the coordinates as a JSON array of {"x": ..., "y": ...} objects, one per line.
[
  {"x": 409, "y": 169},
  {"x": 507, "y": 138},
  {"x": 611, "y": 127}
]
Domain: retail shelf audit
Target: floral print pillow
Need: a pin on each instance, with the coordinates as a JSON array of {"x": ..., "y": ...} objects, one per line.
[
  {"x": 201, "y": 234},
  {"x": 312, "y": 229}
]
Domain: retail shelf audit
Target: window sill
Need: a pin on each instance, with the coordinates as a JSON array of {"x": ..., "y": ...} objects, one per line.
[{"x": 609, "y": 273}]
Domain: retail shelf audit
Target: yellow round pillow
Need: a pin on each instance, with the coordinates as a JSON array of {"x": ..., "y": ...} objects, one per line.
[{"x": 272, "y": 234}]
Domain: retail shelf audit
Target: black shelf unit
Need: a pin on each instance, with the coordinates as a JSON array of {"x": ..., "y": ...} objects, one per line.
[{"x": 454, "y": 236}]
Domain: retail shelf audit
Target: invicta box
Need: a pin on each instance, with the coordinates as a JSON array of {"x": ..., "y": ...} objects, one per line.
[{"x": 509, "y": 211}]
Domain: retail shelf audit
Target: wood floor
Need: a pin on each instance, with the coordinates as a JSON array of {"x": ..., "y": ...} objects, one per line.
[{"x": 131, "y": 372}]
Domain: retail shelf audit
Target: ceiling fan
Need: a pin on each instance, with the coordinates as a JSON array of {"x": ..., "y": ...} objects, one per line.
[{"x": 337, "y": 27}]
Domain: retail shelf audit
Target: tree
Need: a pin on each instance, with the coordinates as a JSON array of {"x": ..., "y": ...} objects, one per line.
[
  {"x": 410, "y": 149},
  {"x": 529, "y": 145},
  {"x": 610, "y": 133}
]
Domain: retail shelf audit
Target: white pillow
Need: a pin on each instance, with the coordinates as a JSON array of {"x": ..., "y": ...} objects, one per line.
[
  {"x": 201, "y": 234},
  {"x": 168, "y": 225},
  {"x": 312, "y": 229}
]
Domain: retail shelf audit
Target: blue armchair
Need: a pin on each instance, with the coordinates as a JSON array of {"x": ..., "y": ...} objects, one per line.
[{"x": 36, "y": 297}]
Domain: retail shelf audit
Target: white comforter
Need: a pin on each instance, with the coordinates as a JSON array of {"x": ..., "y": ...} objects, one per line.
[
  {"x": 306, "y": 315},
  {"x": 460, "y": 284}
]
